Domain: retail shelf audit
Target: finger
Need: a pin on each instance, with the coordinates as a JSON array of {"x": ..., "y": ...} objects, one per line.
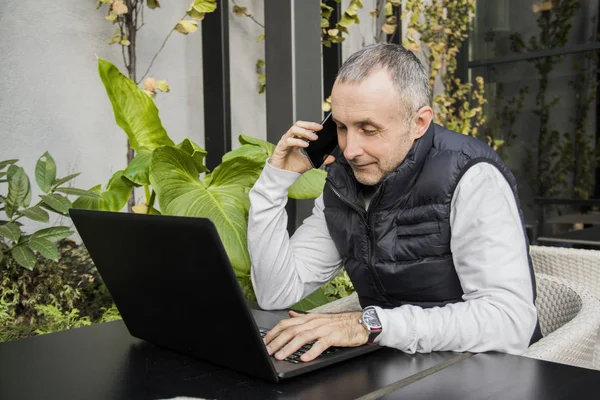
[
  {"x": 294, "y": 314},
  {"x": 282, "y": 326},
  {"x": 294, "y": 344},
  {"x": 295, "y": 142},
  {"x": 311, "y": 126},
  {"x": 290, "y": 334},
  {"x": 317, "y": 348},
  {"x": 296, "y": 131}
]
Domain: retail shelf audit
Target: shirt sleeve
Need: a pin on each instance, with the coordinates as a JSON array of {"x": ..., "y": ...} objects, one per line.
[
  {"x": 490, "y": 257},
  {"x": 285, "y": 270}
]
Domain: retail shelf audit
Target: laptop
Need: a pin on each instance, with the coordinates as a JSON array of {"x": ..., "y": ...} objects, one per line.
[{"x": 174, "y": 286}]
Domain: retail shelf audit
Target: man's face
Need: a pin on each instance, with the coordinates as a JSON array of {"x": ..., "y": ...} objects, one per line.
[{"x": 374, "y": 132}]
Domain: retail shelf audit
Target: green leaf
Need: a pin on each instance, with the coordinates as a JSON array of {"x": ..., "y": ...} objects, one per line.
[
  {"x": 66, "y": 179},
  {"x": 18, "y": 187},
  {"x": 5, "y": 163},
  {"x": 10, "y": 231},
  {"x": 134, "y": 110},
  {"x": 316, "y": 299},
  {"x": 1, "y": 256},
  {"x": 45, "y": 247},
  {"x": 114, "y": 198},
  {"x": 204, "y": 6},
  {"x": 223, "y": 197},
  {"x": 197, "y": 153},
  {"x": 309, "y": 185},
  {"x": 138, "y": 169},
  {"x": 152, "y": 4},
  {"x": 79, "y": 192},
  {"x": 36, "y": 214},
  {"x": 57, "y": 202},
  {"x": 255, "y": 153},
  {"x": 45, "y": 172},
  {"x": 52, "y": 234},
  {"x": 269, "y": 148},
  {"x": 24, "y": 257}
]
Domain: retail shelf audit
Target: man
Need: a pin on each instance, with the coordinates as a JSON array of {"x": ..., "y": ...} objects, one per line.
[{"x": 426, "y": 222}]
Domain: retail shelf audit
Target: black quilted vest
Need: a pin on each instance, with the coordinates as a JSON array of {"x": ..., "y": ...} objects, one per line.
[{"x": 398, "y": 252}]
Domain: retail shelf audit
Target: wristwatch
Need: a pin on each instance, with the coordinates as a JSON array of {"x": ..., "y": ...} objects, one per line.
[{"x": 370, "y": 321}]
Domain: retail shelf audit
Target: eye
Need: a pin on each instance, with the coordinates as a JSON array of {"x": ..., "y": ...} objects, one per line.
[{"x": 369, "y": 132}]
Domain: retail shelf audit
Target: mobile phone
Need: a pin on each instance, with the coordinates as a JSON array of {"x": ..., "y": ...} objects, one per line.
[{"x": 318, "y": 150}]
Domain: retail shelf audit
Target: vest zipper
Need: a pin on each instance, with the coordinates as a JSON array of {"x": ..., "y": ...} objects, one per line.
[{"x": 362, "y": 212}]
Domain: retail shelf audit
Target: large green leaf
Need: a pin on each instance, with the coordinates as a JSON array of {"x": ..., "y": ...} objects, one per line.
[
  {"x": 18, "y": 187},
  {"x": 255, "y": 153},
  {"x": 223, "y": 197},
  {"x": 52, "y": 234},
  {"x": 10, "y": 231},
  {"x": 268, "y": 147},
  {"x": 309, "y": 185},
  {"x": 57, "y": 202},
  {"x": 45, "y": 172},
  {"x": 114, "y": 198},
  {"x": 24, "y": 256},
  {"x": 45, "y": 247},
  {"x": 316, "y": 299},
  {"x": 36, "y": 214},
  {"x": 138, "y": 169},
  {"x": 135, "y": 112},
  {"x": 197, "y": 153}
]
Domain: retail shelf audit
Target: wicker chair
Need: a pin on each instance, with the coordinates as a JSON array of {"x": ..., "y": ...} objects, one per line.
[
  {"x": 575, "y": 265},
  {"x": 569, "y": 318}
]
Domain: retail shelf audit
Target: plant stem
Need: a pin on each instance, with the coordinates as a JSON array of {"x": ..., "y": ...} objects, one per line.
[
  {"x": 158, "y": 52},
  {"x": 151, "y": 202},
  {"x": 249, "y": 16}
]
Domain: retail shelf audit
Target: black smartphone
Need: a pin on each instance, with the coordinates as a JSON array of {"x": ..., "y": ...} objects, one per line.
[{"x": 318, "y": 150}]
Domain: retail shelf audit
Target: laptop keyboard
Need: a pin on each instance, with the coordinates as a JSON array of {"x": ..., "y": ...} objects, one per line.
[{"x": 295, "y": 357}]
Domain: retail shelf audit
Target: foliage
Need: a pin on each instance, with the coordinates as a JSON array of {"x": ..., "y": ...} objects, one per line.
[
  {"x": 128, "y": 16},
  {"x": 437, "y": 30},
  {"x": 56, "y": 295},
  {"x": 16, "y": 204},
  {"x": 557, "y": 154},
  {"x": 170, "y": 173},
  {"x": 341, "y": 286}
]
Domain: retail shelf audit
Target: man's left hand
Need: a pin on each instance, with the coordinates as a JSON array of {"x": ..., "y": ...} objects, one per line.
[{"x": 343, "y": 330}]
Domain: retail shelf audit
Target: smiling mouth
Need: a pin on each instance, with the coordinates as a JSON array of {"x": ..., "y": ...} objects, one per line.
[{"x": 362, "y": 166}]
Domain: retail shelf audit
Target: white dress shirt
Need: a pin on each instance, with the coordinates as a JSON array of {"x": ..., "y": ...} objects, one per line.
[{"x": 488, "y": 249}]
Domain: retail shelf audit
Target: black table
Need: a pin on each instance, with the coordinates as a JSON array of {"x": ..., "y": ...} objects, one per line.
[
  {"x": 502, "y": 376},
  {"x": 105, "y": 362}
]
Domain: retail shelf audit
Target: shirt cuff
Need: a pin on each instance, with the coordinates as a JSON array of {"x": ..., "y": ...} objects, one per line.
[{"x": 395, "y": 331}]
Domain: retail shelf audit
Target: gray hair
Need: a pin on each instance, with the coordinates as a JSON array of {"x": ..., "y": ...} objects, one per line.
[{"x": 406, "y": 72}]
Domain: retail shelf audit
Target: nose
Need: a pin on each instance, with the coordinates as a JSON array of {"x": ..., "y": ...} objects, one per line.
[{"x": 353, "y": 147}]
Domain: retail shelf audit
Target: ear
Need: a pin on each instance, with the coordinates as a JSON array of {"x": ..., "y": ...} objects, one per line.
[{"x": 421, "y": 121}]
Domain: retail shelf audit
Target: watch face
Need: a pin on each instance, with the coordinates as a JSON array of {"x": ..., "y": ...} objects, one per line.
[{"x": 370, "y": 318}]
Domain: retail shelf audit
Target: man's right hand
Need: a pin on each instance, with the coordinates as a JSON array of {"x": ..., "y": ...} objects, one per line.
[{"x": 287, "y": 154}]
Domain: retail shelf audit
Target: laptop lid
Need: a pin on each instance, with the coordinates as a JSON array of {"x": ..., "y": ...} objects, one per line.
[{"x": 172, "y": 282}]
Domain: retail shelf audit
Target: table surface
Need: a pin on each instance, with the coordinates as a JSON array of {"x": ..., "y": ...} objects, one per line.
[
  {"x": 502, "y": 376},
  {"x": 105, "y": 362}
]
